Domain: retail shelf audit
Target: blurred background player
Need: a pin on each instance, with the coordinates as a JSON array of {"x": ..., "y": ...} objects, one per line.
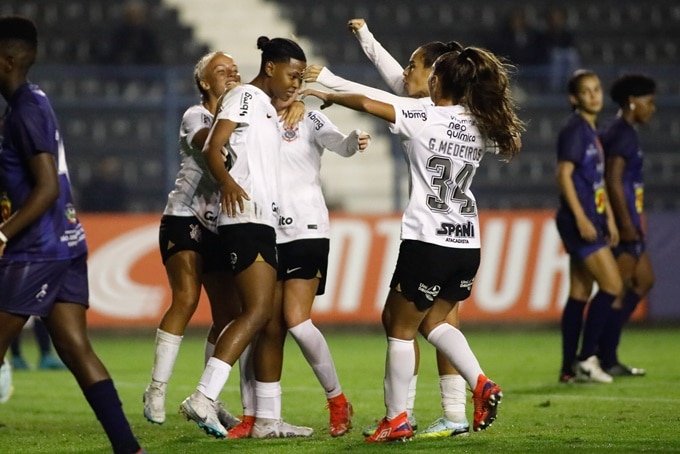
[
  {"x": 634, "y": 94},
  {"x": 43, "y": 253},
  {"x": 587, "y": 228},
  {"x": 188, "y": 240},
  {"x": 48, "y": 360},
  {"x": 247, "y": 125},
  {"x": 422, "y": 292}
]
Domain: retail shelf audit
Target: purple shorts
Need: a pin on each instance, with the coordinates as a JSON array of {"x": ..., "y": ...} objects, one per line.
[
  {"x": 32, "y": 288},
  {"x": 573, "y": 243}
]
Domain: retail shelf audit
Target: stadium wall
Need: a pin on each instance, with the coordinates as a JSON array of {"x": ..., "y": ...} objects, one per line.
[{"x": 523, "y": 275}]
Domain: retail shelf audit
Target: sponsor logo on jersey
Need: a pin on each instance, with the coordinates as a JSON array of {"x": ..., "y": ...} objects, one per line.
[
  {"x": 421, "y": 114},
  {"x": 456, "y": 233},
  {"x": 5, "y": 206},
  {"x": 318, "y": 122},
  {"x": 284, "y": 221},
  {"x": 430, "y": 292},
  {"x": 209, "y": 216},
  {"x": 245, "y": 103}
]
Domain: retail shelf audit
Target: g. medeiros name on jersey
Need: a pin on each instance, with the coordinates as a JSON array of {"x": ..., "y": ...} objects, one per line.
[{"x": 444, "y": 149}]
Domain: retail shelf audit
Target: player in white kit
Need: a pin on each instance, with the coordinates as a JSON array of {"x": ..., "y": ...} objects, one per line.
[
  {"x": 410, "y": 87},
  {"x": 303, "y": 234},
  {"x": 440, "y": 249},
  {"x": 188, "y": 239},
  {"x": 247, "y": 126}
]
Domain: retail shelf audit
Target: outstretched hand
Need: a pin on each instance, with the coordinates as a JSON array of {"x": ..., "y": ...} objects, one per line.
[
  {"x": 322, "y": 95},
  {"x": 355, "y": 24},
  {"x": 311, "y": 73}
]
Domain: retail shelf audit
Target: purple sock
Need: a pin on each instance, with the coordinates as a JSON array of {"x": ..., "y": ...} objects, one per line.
[
  {"x": 611, "y": 335},
  {"x": 572, "y": 320},
  {"x": 599, "y": 311},
  {"x": 103, "y": 398}
]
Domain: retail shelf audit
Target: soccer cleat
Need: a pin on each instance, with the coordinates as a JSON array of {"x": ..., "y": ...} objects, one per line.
[
  {"x": 51, "y": 361},
  {"x": 228, "y": 420},
  {"x": 6, "y": 387},
  {"x": 242, "y": 430},
  {"x": 19, "y": 363},
  {"x": 396, "y": 429},
  {"x": 621, "y": 370},
  {"x": 341, "y": 413},
  {"x": 486, "y": 397},
  {"x": 154, "y": 403},
  {"x": 276, "y": 428},
  {"x": 590, "y": 371},
  {"x": 201, "y": 410},
  {"x": 444, "y": 427},
  {"x": 567, "y": 377},
  {"x": 370, "y": 430}
]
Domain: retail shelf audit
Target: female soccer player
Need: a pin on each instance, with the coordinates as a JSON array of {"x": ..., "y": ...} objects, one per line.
[
  {"x": 43, "y": 253},
  {"x": 188, "y": 239},
  {"x": 444, "y": 144},
  {"x": 411, "y": 82},
  {"x": 635, "y": 96},
  {"x": 247, "y": 125},
  {"x": 586, "y": 225},
  {"x": 303, "y": 234}
]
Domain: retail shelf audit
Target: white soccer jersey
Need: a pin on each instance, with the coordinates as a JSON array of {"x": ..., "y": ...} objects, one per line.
[
  {"x": 254, "y": 149},
  {"x": 388, "y": 67},
  {"x": 196, "y": 192},
  {"x": 444, "y": 148},
  {"x": 302, "y": 209}
]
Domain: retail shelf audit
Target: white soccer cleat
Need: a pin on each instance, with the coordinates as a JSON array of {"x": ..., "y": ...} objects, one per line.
[
  {"x": 590, "y": 371},
  {"x": 201, "y": 410},
  {"x": 228, "y": 420},
  {"x": 444, "y": 427},
  {"x": 6, "y": 387},
  {"x": 277, "y": 428},
  {"x": 154, "y": 403}
]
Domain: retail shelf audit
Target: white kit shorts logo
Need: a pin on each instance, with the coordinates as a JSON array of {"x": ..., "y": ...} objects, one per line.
[
  {"x": 195, "y": 232},
  {"x": 467, "y": 283},
  {"x": 430, "y": 292},
  {"x": 233, "y": 258}
]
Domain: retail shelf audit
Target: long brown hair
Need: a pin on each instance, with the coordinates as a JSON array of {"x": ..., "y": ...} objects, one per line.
[{"x": 477, "y": 79}]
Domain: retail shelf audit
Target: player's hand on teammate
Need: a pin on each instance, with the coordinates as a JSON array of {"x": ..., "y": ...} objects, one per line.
[
  {"x": 311, "y": 73},
  {"x": 232, "y": 195},
  {"x": 293, "y": 114},
  {"x": 355, "y": 24},
  {"x": 322, "y": 95}
]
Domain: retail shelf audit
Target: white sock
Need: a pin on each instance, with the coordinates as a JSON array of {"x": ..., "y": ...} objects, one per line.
[
  {"x": 454, "y": 394},
  {"x": 208, "y": 352},
  {"x": 411, "y": 402},
  {"x": 452, "y": 343},
  {"x": 167, "y": 348},
  {"x": 214, "y": 378},
  {"x": 315, "y": 350},
  {"x": 268, "y": 397},
  {"x": 247, "y": 374},
  {"x": 399, "y": 365}
]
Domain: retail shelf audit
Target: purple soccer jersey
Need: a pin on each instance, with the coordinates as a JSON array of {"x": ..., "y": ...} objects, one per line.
[
  {"x": 29, "y": 127},
  {"x": 579, "y": 143},
  {"x": 619, "y": 138}
]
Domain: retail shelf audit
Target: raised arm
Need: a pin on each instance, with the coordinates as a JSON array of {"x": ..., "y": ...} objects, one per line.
[
  {"x": 388, "y": 67},
  {"x": 356, "y": 102}
]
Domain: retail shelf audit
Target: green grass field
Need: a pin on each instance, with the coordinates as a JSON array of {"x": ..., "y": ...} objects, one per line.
[{"x": 48, "y": 414}]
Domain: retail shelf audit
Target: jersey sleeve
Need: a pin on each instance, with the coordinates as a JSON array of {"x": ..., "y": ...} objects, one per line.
[
  {"x": 195, "y": 119},
  {"x": 388, "y": 67},
  {"x": 30, "y": 128},
  {"x": 409, "y": 120},
  {"x": 570, "y": 145},
  {"x": 328, "y": 136},
  {"x": 337, "y": 83},
  {"x": 236, "y": 106}
]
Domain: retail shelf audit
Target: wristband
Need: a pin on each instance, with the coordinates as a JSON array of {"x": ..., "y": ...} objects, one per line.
[{"x": 3, "y": 237}]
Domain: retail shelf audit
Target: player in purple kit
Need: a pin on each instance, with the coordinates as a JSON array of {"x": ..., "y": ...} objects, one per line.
[
  {"x": 43, "y": 268},
  {"x": 635, "y": 96},
  {"x": 586, "y": 225}
]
